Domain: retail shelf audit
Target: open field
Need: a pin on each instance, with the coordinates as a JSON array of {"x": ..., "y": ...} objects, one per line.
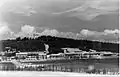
[
  {"x": 99, "y": 64},
  {"x": 48, "y": 74},
  {"x": 79, "y": 66}
]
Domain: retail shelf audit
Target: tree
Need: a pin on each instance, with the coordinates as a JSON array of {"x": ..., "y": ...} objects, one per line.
[{"x": 18, "y": 39}]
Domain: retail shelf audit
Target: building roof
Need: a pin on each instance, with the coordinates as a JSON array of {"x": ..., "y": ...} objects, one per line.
[
  {"x": 56, "y": 54},
  {"x": 22, "y": 53},
  {"x": 71, "y": 49}
]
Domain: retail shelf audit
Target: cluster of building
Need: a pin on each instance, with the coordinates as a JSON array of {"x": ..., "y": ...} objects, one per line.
[
  {"x": 72, "y": 54},
  {"x": 69, "y": 53}
]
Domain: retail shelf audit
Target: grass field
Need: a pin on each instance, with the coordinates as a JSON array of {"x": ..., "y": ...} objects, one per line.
[
  {"x": 98, "y": 64},
  {"x": 48, "y": 74},
  {"x": 72, "y": 66}
]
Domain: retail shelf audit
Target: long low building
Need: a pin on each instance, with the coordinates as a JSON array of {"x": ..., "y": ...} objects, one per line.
[
  {"x": 67, "y": 55},
  {"x": 31, "y": 55}
]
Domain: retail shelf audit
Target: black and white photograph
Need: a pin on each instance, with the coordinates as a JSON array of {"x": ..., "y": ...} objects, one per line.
[{"x": 59, "y": 38}]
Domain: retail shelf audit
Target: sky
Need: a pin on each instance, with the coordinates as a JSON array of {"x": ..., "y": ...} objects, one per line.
[{"x": 87, "y": 19}]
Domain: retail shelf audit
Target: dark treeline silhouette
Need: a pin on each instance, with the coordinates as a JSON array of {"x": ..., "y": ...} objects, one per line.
[{"x": 55, "y": 43}]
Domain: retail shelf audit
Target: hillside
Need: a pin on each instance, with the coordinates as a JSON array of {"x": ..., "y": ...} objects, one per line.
[{"x": 37, "y": 44}]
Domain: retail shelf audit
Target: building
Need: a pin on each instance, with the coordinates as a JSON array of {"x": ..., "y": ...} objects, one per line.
[
  {"x": 31, "y": 55},
  {"x": 57, "y": 56},
  {"x": 73, "y": 55},
  {"x": 42, "y": 55},
  {"x": 21, "y": 55},
  {"x": 71, "y": 50}
]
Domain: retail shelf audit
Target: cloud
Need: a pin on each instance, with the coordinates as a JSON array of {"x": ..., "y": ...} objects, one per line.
[
  {"x": 70, "y": 35},
  {"x": 116, "y": 31},
  {"x": 106, "y": 35},
  {"x": 52, "y": 32},
  {"x": 6, "y": 33},
  {"x": 22, "y": 7},
  {"x": 90, "y": 9},
  {"x": 23, "y": 10},
  {"x": 26, "y": 31},
  {"x": 67, "y": 34},
  {"x": 86, "y": 32},
  {"x": 30, "y": 31}
]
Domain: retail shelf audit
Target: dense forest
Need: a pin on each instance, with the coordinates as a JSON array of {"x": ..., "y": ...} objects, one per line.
[{"x": 55, "y": 43}]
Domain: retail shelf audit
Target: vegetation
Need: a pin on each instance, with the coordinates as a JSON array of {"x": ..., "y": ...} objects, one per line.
[{"x": 55, "y": 43}]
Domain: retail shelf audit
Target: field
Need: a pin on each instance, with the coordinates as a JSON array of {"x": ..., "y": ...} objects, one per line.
[
  {"x": 47, "y": 74},
  {"x": 105, "y": 66},
  {"x": 109, "y": 65}
]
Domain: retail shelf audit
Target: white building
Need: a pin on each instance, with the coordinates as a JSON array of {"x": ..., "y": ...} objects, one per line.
[
  {"x": 71, "y": 50},
  {"x": 57, "y": 56},
  {"x": 31, "y": 55},
  {"x": 21, "y": 54}
]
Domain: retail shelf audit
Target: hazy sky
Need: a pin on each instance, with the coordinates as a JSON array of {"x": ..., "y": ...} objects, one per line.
[{"x": 74, "y": 16}]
